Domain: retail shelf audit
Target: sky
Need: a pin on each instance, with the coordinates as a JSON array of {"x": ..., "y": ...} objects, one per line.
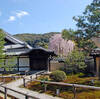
[{"x": 39, "y": 16}]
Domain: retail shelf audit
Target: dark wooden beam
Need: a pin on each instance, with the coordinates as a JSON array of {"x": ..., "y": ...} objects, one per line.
[
  {"x": 18, "y": 63},
  {"x": 95, "y": 66}
]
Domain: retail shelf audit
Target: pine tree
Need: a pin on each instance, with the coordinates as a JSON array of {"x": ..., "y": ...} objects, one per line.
[
  {"x": 88, "y": 26},
  {"x": 2, "y": 42}
]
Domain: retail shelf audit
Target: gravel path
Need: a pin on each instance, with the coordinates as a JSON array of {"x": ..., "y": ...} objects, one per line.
[{"x": 15, "y": 86}]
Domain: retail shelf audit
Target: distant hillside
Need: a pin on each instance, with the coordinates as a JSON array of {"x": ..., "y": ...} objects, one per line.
[{"x": 36, "y": 39}]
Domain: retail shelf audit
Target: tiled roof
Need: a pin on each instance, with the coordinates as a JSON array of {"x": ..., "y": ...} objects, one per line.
[
  {"x": 19, "y": 47},
  {"x": 16, "y": 41},
  {"x": 13, "y": 39},
  {"x": 95, "y": 52}
]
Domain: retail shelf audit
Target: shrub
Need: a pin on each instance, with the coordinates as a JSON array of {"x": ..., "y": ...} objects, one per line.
[
  {"x": 75, "y": 62},
  {"x": 97, "y": 83},
  {"x": 58, "y": 75},
  {"x": 81, "y": 75}
]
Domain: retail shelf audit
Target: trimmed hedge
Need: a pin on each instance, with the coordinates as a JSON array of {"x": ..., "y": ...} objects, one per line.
[{"x": 58, "y": 75}]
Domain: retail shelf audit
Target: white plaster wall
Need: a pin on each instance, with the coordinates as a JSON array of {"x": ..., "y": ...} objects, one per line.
[
  {"x": 23, "y": 62},
  {"x": 1, "y": 69},
  {"x": 23, "y": 69}
]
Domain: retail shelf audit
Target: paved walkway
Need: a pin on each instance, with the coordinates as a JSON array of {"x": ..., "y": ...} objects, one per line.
[{"x": 15, "y": 86}]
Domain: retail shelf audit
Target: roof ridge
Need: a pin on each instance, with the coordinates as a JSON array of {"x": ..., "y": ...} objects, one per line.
[{"x": 15, "y": 40}]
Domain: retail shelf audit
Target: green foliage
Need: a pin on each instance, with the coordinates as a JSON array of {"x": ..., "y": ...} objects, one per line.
[
  {"x": 88, "y": 26},
  {"x": 75, "y": 62},
  {"x": 1, "y": 46},
  {"x": 97, "y": 83},
  {"x": 5, "y": 63},
  {"x": 9, "y": 63},
  {"x": 58, "y": 75},
  {"x": 44, "y": 79},
  {"x": 68, "y": 34},
  {"x": 81, "y": 75}
]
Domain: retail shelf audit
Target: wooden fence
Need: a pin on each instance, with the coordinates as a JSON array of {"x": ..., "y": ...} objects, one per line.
[
  {"x": 74, "y": 86},
  {"x": 24, "y": 94},
  {"x": 13, "y": 76}
]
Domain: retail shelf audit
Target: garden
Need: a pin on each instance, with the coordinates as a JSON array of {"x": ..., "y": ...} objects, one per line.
[
  {"x": 66, "y": 92},
  {"x": 7, "y": 78}
]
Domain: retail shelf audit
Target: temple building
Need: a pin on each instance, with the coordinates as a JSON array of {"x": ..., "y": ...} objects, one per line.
[
  {"x": 96, "y": 55},
  {"x": 27, "y": 57}
]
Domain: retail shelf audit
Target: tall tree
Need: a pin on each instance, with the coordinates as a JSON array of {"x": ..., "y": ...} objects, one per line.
[
  {"x": 1, "y": 46},
  {"x": 75, "y": 62},
  {"x": 88, "y": 26},
  {"x": 68, "y": 34}
]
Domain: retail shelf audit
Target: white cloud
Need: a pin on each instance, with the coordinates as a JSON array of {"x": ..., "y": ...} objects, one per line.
[
  {"x": 12, "y": 18},
  {"x": 21, "y": 14},
  {"x": 18, "y": 14}
]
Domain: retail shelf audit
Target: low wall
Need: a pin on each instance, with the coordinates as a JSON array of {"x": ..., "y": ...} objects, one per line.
[{"x": 55, "y": 65}]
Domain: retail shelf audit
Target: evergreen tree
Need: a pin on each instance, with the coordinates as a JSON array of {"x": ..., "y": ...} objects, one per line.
[
  {"x": 68, "y": 34},
  {"x": 75, "y": 62},
  {"x": 88, "y": 26},
  {"x": 2, "y": 47}
]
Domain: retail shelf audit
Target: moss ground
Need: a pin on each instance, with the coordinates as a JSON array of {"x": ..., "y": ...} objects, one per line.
[{"x": 67, "y": 92}]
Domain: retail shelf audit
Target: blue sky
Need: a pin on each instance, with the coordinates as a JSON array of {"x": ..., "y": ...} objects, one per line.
[{"x": 39, "y": 16}]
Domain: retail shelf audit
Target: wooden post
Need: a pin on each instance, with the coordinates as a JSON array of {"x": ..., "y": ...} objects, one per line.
[
  {"x": 4, "y": 79},
  {"x": 26, "y": 97},
  {"x": 15, "y": 77},
  {"x": 5, "y": 97},
  {"x": 31, "y": 78},
  {"x": 36, "y": 76},
  {"x": 98, "y": 67},
  {"x": 74, "y": 91},
  {"x": 18, "y": 63},
  {"x": 45, "y": 87},
  {"x": 95, "y": 67},
  {"x": 24, "y": 82},
  {"x": 12, "y": 77},
  {"x": 57, "y": 92}
]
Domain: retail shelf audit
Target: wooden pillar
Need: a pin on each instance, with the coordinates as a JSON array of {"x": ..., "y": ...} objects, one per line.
[
  {"x": 24, "y": 82},
  {"x": 98, "y": 67},
  {"x": 31, "y": 78},
  {"x": 5, "y": 97},
  {"x": 45, "y": 87},
  {"x": 57, "y": 92},
  {"x": 48, "y": 67},
  {"x": 74, "y": 91},
  {"x": 26, "y": 97},
  {"x": 18, "y": 63},
  {"x": 36, "y": 76},
  {"x": 95, "y": 67}
]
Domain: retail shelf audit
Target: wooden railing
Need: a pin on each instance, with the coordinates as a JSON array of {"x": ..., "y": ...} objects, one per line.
[
  {"x": 40, "y": 73},
  {"x": 27, "y": 96},
  {"x": 74, "y": 86},
  {"x": 5, "y": 88}
]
